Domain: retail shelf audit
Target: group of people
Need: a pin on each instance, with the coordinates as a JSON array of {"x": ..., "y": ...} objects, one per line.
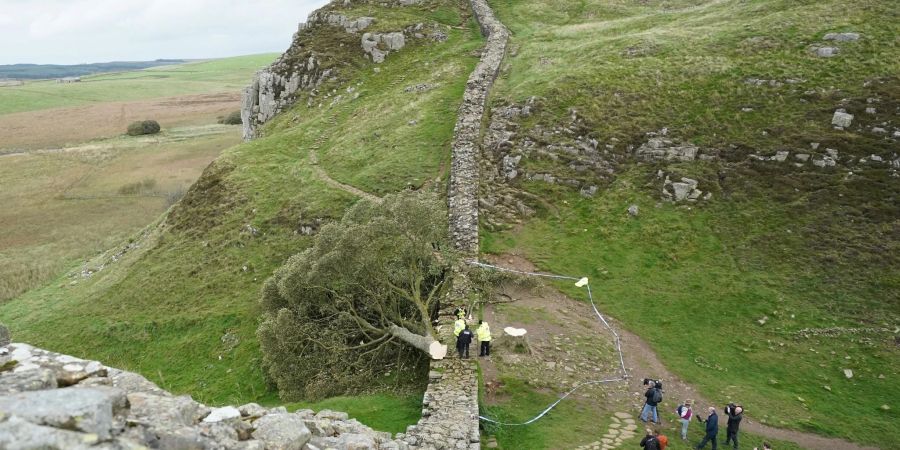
[
  {"x": 464, "y": 335},
  {"x": 685, "y": 412}
]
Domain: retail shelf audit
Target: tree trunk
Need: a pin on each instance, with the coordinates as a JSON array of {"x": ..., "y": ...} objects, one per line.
[{"x": 425, "y": 343}]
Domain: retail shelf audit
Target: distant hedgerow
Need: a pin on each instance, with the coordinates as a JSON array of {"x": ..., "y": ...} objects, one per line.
[
  {"x": 143, "y": 127},
  {"x": 233, "y": 118}
]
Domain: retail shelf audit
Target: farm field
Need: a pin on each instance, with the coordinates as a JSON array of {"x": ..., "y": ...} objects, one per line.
[{"x": 221, "y": 75}]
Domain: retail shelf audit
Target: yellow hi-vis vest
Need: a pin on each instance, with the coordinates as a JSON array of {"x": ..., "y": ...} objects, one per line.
[
  {"x": 484, "y": 333},
  {"x": 458, "y": 327}
]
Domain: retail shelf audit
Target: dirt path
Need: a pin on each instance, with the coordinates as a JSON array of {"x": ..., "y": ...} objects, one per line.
[
  {"x": 640, "y": 359},
  {"x": 321, "y": 173}
]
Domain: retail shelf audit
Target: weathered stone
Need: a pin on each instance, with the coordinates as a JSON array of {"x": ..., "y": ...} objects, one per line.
[
  {"x": 84, "y": 409},
  {"x": 17, "y": 433},
  {"x": 633, "y": 210},
  {"x": 281, "y": 431},
  {"x": 841, "y": 119},
  {"x": 171, "y": 411},
  {"x": 827, "y": 52},
  {"x": 842, "y": 37},
  {"x": 222, "y": 414},
  {"x": 27, "y": 380},
  {"x": 252, "y": 410}
]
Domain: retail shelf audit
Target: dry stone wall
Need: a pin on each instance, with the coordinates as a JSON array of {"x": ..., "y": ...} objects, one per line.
[
  {"x": 463, "y": 192},
  {"x": 450, "y": 404}
]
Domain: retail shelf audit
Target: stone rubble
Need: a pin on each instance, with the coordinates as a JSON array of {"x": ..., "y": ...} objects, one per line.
[{"x": 54, "y": 401}]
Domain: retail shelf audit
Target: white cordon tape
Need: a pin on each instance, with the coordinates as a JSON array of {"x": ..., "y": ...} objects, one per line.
[{"x": 600, "y": 316}]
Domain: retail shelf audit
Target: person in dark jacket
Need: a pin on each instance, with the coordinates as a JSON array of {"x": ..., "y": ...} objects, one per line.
[
  {"x": 650, "y": 404},
  {"x": 650, "y": 441},
  {"x": 712, "y": 429},
  {"x": 463, "y": 341},
  {"x": 735, "y": 414}
]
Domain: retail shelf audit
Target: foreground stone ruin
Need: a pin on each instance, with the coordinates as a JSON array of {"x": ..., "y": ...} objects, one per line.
[{"x": 53, "y": 401}]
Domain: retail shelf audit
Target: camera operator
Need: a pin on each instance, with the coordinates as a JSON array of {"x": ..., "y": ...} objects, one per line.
[
  {"x": 654, "y": 397},
  {"x": 735, "y": 413}
]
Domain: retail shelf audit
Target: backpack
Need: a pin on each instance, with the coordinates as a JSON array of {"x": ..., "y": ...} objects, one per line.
[
  {"x": 657, "y": 396},
  {"x": 679, "y": 409}
]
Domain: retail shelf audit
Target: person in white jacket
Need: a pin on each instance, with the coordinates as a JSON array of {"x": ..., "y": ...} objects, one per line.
[{"x": 685, "y": 413}]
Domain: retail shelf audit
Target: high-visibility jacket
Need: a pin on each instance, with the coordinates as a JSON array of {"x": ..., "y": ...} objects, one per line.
[
  {"x": 484, "y": 332},
  {"x": 458, "y": 327}
]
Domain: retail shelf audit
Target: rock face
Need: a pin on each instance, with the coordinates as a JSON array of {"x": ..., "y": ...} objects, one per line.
[
  {"x": 378, "y": 45},
  {"x": 303, "y": 69},
  {"x": 109, "y": 408}
]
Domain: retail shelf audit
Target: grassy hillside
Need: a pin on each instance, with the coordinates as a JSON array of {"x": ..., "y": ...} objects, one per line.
[
  {"x": 789, "y": 275},
  {"x": 228, "y": 74},
  {"x": 181, "y": 306},
  {"x": 63, "y": 205},
  {"x": 763, "y": 294}
]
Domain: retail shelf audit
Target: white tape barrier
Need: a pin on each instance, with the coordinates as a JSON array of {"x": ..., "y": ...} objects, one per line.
[{"x": 581, "y": 282}]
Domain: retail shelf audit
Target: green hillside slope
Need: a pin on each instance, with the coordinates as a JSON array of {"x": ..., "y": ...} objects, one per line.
[
  {"x": 789, "y": 274},
  {"x": 763, "y": 293},
  {"x": 180, "y": 306}
]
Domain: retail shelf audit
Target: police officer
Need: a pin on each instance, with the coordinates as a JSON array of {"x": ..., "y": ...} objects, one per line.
[{"x": 484, "y": 336}]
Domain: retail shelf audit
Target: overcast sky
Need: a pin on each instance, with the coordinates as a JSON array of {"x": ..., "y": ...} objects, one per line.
[{"x": 86, "y": 31}]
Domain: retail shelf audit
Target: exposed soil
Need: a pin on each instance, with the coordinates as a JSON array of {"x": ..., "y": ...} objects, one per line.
[
  {"x": 639, "y": 357},
  {"x": 60, "y": 126}
]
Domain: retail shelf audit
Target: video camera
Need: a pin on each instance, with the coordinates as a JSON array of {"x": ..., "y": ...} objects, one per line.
[{"x": 658, "y": 384}]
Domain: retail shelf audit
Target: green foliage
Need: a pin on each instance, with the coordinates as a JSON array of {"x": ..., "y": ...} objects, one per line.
[
  {"x": 327, "y": 311},
  {"x": 143, "y": 127},
  {"x": 233, "y": 118}
]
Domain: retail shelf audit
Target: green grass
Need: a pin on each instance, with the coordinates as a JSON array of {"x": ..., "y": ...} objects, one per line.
[
  {"x": 700, "y": 274},
  {"x": 381, "y": 412},
  {"x": 163, "y": 309},
  {"x": 228, "y": 74},
  {"x": 572, "y": 424},
  {"x": 805, "y": 248}
]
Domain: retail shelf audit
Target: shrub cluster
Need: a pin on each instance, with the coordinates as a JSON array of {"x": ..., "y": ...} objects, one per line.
[
  {"x": 143, "y": 127},
  {"x": 233, "y": 118}
]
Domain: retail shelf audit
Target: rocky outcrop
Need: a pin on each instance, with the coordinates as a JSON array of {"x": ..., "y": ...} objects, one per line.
[
  {"x": 54, "y": 401},
  {"x": 274, "y": 88},
  {"x": 464, "y": 178},
  {"x": 378, "y": 45}
]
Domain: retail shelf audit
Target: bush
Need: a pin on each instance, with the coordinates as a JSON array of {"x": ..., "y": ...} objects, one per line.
[
  {"x": 233, "y": 118},
  {"x": 143, "y": 127}
]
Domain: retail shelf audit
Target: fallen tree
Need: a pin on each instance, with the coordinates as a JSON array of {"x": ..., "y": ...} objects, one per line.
[{"x": 361, "y": 301}]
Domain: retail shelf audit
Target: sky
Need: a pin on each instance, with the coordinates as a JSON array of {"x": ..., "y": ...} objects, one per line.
[{"x": 87, "y": 31}]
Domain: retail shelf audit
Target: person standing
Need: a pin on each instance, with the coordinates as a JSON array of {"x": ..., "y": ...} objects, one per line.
[
  {"x": 459, "y": 326},
  {"x": 463, "y": 341},
  {"x": 685, "y": 412},
  {"x": 484, "y": 337},
  {"x": 735, "y": 414},
  {"x": 654, "y": 396},
  {"x": 662, "y": 439},
  {"x": 649, "y": 442},
  {"x": 712, "y": 429}
]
